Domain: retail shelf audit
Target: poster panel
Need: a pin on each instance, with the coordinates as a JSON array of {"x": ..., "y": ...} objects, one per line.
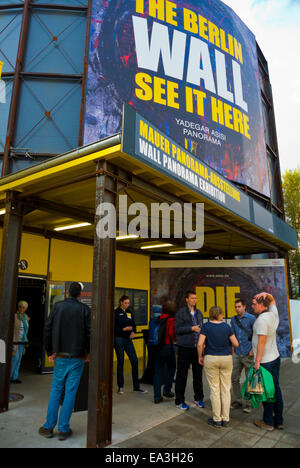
[
  {"x": 55, "y": 293},
  {"x": 86, "y": 293},
  {"x": 138, "y": 303},
  {"x": 221, "y": 282},
  {"x": 295, "y": 327},
  {"x": 191, "y": 68}
]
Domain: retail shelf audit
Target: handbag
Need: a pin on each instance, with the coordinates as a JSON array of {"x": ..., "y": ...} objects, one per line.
[
  {"x": 254, "y": 383},
  {"x": 255, "y": 386}
]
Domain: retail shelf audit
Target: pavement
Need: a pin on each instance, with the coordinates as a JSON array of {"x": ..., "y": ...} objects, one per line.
[{"x": 138, "y": 423}]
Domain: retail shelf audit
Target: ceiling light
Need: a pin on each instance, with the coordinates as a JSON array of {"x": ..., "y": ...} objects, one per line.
[
  {"x": 174, "y": 252},
  {"x": 157, "y": 246},
  {"x": 127, "y": 237},
  {"x": 72, "y": 226}
]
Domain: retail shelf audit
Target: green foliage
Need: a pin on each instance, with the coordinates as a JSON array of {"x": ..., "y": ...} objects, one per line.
[{"x": 291, "y": 194}]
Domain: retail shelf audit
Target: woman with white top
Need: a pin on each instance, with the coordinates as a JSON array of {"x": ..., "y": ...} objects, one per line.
[{"x": 266, "y": 354}]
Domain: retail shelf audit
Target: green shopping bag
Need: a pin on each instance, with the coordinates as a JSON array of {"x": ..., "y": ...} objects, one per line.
[{"x": 259, "y": 387}]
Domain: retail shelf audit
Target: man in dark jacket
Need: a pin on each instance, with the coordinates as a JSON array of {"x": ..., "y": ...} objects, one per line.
[
  {"x": 188, "y": 323},
  {"x": 67, "y": 342}
]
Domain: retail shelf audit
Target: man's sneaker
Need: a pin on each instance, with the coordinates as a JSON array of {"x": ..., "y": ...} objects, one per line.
[
  {"x": 140, "y": 390},
  {"x": 158, "y": 400},
  {"x": 183, "y": 406},
  {"x": 247, "y": 410},
  {"x": 47, "y": 433},
  {"x": 121, "y": 391},
  {"x": 64, "y": 435},
  {"x": 279, "y": 427},
  {"x": 216, "y": 424},
  {"x": 168, "y": 394},
  {"x": 199, "y": 404},
  {"x": 264, "y": 426}
]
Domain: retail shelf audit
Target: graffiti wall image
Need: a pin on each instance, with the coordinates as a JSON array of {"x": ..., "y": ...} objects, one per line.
[
  {"x": 221, "y": 284},
  {"x": 191, "y": 68}
]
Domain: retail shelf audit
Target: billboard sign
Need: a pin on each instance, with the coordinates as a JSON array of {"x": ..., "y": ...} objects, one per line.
[
  {"x": 147, "y": 143},
  {"x": 191, "y": 67},
  {"x": 221, "y": 282}
]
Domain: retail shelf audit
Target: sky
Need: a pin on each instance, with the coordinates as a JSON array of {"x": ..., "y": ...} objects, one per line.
[{"x": 276, "y": 25}]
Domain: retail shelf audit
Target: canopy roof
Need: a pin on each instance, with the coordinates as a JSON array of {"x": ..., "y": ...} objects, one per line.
[{"x": 61, "y": 192}]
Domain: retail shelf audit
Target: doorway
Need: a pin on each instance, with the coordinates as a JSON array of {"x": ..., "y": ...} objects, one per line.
[{"x": 33, "y": 291}]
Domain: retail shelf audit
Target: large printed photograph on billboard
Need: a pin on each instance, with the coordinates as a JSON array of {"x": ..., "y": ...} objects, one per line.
[
  {"x": 191, "y": 68},
  {"x": 221, "y": 282}
]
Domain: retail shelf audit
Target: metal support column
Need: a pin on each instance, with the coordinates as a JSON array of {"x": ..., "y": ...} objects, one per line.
[
  {"x": 16, "y": 88},
  {"x": 85, "y": 71},
  {"x": 12, "y": 231},
  {"x": 99, "y": 431}
]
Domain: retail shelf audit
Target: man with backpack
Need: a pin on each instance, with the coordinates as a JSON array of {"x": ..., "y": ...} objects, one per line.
[
  {"x": 163, "y": 338},
  {"x": 242, "y": 328},
  {"x": 188, "y": 323}
]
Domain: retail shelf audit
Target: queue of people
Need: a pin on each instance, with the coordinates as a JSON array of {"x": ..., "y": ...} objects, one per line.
[{"x": 222, "y": 351}]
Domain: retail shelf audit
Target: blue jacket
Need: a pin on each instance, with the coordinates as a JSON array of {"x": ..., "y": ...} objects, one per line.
[
  {"x": 183, "y": 327},
  {"x": 243, "y": 334}
]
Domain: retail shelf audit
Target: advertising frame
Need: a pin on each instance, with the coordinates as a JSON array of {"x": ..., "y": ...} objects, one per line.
[{"x": 221, "y": 282}]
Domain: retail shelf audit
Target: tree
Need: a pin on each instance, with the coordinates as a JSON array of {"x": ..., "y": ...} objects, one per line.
[{"x": 291, "y": 194}]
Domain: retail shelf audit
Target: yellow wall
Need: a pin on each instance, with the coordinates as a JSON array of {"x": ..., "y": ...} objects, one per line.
[
  {"x": 35, "y": 249},
  {"x": 70, "y": 261},
  {"x": 74, "y": 262}
]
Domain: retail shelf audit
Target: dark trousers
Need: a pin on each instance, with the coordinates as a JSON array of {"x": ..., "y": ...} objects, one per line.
[
  {"x": 165, "y": 357},
  {"x": 186, "y": 357},
  {"x": 273, "y": 412},
  {"x": 124, "y": 345}
]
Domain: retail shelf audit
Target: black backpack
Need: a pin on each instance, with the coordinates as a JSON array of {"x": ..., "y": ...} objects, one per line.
[
  {"x": 157, "y": 332},
  {"x": 162, "y": 332}
]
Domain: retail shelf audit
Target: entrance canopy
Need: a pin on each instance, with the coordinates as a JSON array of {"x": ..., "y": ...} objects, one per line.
[
  {"x": 60, "y": 199},
  {"x": 60, "y": 193}
]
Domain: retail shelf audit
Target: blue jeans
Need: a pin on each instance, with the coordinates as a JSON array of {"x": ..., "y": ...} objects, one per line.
[
  {"x": 165, "y": 357},
  {"x": 124, "y": 345},
  {"x": 67, "y": 375},
  {"x": 273, "y": 412},
  {"x": 16, "y": 362}
]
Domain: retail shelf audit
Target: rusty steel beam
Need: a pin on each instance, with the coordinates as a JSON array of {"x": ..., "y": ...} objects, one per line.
[
  {"x": 99, "y": 430},
  {"x": 58, "y": 76},
  {"x": 13, "y": 6},
  {"x": 58, "y": 208},
  {"x": 11, "y": 242},
  {"x": 16, "y": 88},
  {"x": 48, "y": 6}
]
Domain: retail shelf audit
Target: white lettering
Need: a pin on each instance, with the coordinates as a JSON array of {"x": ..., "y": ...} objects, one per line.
[{"x": 148, "y": 54}]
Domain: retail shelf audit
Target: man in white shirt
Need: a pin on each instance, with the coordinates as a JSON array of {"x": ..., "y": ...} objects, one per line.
[{"x": 266, "y": 354}]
